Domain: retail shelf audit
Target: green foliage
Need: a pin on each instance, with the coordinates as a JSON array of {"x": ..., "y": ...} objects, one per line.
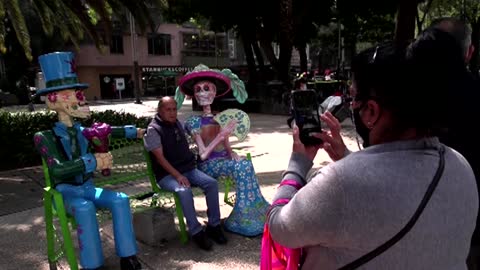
[
  {"x": 17, "y": 131},
  {"x": 469, "y": 9},
  {"x": 73, "y": 19},
  {"x": 115, "y": 118}
]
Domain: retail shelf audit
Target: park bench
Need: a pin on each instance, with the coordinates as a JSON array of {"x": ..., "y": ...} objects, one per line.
[{"x": 132, "y": 169}]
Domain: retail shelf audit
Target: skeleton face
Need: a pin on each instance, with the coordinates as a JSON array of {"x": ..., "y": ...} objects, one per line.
[
  {"x": 204, "y": 92},
  {"x": 70, "y": 101}
]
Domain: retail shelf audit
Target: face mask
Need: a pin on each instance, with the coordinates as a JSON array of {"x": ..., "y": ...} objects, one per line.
[{"x": 361, "y": 128}]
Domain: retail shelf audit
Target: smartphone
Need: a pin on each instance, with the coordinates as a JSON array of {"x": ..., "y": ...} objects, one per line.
[{"x": 304, "y": 108}]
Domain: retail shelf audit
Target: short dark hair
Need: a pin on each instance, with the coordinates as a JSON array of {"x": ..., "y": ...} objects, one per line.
[
  {"x": 379, "y": 73},
  {"x": 375, "y": 69},
  {"x": 412, "y": 83},
  {"x": 438, "y": 69},
  {"x": 457, "y": 28}
]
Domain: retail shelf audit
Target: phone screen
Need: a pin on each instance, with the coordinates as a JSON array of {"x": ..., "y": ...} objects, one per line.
[
  {"x": 304, "y": 99},
  {"x": 305, "y": 112}
]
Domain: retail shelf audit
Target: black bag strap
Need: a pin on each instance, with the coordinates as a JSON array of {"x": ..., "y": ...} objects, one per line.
[{"x": 379, "y": 250}]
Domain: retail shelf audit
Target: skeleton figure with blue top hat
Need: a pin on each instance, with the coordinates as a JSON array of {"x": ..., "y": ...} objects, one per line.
[{"x": 66, "y": 152}]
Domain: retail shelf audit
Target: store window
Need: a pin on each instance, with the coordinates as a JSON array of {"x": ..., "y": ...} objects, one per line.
[
  {"x": 159, "y": 44},
  {"x": 161, "y": 83},
  {"x": 203, "y": 45},
  {"x": 116, "y": 44}
]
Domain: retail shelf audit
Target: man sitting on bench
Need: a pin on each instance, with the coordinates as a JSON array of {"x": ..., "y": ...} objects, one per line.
[{"x": 174, "y": 167}]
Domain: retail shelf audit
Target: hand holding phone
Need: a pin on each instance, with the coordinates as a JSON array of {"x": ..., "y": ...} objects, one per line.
[{"x": 304, "y": 108}]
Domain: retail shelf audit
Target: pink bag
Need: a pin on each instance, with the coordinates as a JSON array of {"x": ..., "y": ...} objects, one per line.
[{"x": 273, "y": 255}]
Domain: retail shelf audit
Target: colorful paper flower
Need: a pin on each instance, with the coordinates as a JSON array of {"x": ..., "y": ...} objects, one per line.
[
  {"x": 80, "y": 96},
  {"x": 50, "y": 161},
  {"x": 52, "y": 97},
  {"x": 37, "y": 139},
  {"x": 99, "y": 137}
]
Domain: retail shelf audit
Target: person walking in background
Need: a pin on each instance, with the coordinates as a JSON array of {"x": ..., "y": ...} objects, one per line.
[
  {"x": 464, "y": 111},
  {"x": 355, "y": 205}
]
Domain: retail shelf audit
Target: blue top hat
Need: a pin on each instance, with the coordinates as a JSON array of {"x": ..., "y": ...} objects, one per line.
[{"x": 59, "y": 72}]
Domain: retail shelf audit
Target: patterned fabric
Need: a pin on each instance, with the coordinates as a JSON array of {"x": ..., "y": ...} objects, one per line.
[
  {"x": 243, "y": 122},
  {"x": 249, "y": 212},
  {"x": 193, "y": 124}
]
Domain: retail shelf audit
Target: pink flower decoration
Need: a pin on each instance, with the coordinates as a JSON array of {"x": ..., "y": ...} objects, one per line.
[
  {"x": 44, "y": 150},
  {"x": 99, "y": 137},
  {"x": 50, "y": 161},
  {"x": 80, "y": 96},
  {"x": 37, "y": 140},
  {"x": 52, "y": 97}
]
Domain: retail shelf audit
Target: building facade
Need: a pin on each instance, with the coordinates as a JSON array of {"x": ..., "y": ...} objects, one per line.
[{"x": 162, "y": 57}]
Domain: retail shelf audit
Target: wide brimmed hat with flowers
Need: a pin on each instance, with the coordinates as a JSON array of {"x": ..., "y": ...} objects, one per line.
[
  {"x": 225, "y": 80},
  {"x": 203, "y": 73}
]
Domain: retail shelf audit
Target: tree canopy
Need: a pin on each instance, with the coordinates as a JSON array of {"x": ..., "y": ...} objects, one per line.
[{"x": 73, "y": 19}]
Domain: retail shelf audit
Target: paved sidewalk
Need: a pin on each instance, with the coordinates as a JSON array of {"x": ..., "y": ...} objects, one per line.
[{"x": 22, "y": 230}]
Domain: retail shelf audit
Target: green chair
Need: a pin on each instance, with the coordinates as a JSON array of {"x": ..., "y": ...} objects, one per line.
[
  {"x": 230, "y": 184},
  {"x": 56, "y": 248},
  {"x": 131, "y": 163},
  {"x": 156, "y": 189}
]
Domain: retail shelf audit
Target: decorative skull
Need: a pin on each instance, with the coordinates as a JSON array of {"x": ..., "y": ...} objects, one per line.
[
  {"x": 205, "y": 92},
  {"x": 70, "y": 101}
]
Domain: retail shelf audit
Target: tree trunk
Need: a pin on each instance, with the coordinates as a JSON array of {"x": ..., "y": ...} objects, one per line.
[
  {"x": 247, "y": 47},
  {"x": 260, "y": 60},
  {"x": 302, "y": 50},
  {"x": 284, "y": 62},
  {"x": 285, "y": 40},
  {"x": 352, "y": 47},
  {"x": 420, "y": 22},
  {"x": 269, "y": 53},
  {"x": 405, "y": 27},
  {"x": 475, "y": 61}
]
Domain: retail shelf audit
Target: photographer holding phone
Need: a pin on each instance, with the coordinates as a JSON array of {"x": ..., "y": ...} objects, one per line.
[{"x": 406, "y": 196}]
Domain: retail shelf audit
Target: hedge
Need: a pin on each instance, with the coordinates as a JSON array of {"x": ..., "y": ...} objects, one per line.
[{"x": 17, "y": 130}]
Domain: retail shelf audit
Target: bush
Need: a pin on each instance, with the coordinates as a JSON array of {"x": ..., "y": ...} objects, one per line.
[{"x": 17, "y": 130}]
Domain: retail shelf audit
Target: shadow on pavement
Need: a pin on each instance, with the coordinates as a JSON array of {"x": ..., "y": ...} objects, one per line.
[
  {"x": 19, "y": 192},
  {"x": 23, "y": 241}
]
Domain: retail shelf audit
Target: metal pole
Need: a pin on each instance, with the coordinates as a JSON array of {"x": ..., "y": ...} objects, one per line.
[
  {"x": 339, "y": 25},
  {"x": 134, "y": 59},
  {"x": 216, "y": 49}
]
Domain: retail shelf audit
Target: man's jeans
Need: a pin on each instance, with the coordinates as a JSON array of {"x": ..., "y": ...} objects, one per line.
[{"x": 209, "y": 186}]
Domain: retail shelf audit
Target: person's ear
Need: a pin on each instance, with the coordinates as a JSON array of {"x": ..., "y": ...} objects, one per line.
[{"x": 372, "y": 113}]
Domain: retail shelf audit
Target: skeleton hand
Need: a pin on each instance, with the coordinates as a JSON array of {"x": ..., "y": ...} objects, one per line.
[
  {"x": 140, "y": 133},
  {"x": 235, "y": 156},
  {"x": 104, "y": 160},
  {"x": 228, "y": 129}
]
